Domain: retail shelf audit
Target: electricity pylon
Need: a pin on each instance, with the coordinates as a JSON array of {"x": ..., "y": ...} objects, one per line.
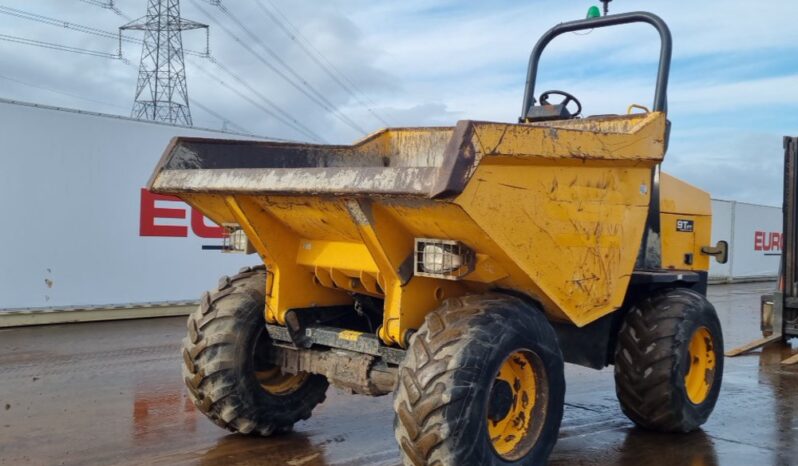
[{"x": 162, "y": 92}]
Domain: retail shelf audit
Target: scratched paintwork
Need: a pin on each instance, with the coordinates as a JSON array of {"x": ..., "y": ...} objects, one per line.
[
  {"x": 576, "y": 231},
  {"x": 628, "y": 138},
  {"x": 388, "y": 180},
  {"x": 682, "y": 201},
  {"x": 555, "y": 210}
]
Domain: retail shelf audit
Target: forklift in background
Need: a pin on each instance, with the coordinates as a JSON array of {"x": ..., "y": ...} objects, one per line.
[{"x": 779, "y": 311}]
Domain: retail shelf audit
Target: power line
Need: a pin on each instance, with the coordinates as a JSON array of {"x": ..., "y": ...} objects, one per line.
[
  {"x": 329, "y": 106},
  {"x": 62, "y": 24},
  {"x": 97, "y": 3},
  {"x": 285, "y": 118},
  {"x": 265, "y": 62},
  {"x": 62, "y": 48},
  {"x": 305, "y": 88},
  {"x": 318, "y": 57},
  {"x": 22, "y": 14},
  {"x": 262, "y": 60},
  {"x": 109, "y": 5},
  {"x": 222, "y": 118},
  {"x": 57, "y": 91},
  {"x": 270, "y": 108},
  {"x": 275, "y": 111},
  {"x": 207, "y": 109},
  {"x": 89, "y": 99},
  {"x": 233, "y": 124}
]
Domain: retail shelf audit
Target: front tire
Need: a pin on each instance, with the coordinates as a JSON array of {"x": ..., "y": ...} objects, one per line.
[
  {"x": 225, "y": 364},
  {"x": 669, "y": 361},
  {"x": 482, "y": 384}
]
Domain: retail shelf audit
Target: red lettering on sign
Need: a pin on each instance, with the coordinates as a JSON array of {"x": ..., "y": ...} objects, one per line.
[
  {"x": 148, "y": 214},
  {"x": 775, "y": 241},
  {"x": 768, "y": 241},
  {"x": 759, "y": 237},
  {"x": 202, "y": 230}
]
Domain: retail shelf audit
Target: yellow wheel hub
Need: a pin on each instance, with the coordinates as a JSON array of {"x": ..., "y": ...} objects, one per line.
[
  {"x": 276, "y": 383},
  {"x": 701, "y": 369},
  {"x": 516, "y": 404}
]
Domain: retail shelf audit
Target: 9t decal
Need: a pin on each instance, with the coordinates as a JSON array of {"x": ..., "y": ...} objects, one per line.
[{"x": 684, "y": 225}]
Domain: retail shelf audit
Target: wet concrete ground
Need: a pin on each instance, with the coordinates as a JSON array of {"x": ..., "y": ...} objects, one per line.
[{"x": 110, "y": 393}]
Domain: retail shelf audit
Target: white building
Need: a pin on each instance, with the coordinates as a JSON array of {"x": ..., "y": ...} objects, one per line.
[
  {"x": 755, "y": 240},
  {"x": 72, "y": 226}
]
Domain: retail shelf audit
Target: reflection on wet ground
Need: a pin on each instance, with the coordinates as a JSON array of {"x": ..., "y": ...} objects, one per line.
[{"x": 110, "y": 393}]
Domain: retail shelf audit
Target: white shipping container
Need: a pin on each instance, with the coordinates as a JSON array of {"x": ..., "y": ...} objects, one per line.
[
  {"x": 70, "y": 199},
  {"x": 755, "y": 240},
  {"x": 721, "y": 230}
]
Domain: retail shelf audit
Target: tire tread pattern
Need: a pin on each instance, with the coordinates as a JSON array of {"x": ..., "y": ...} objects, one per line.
[
  {"x": 211, "y": 360},
  {"x": 650, "y": 353},
  {"x": 432, "y": 380}
]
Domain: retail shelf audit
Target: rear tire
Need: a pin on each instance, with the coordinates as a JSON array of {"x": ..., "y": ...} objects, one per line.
[
  {"x": 482, "y": 384},
  {"x": 669, "y": 361},
  {"x": 224, "y": 364}
]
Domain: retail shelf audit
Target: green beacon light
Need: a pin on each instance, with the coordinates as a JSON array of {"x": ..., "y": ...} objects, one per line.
[{"x": 593, "y": 12}]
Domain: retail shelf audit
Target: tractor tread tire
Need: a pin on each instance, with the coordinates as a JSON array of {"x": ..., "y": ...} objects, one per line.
[
  {"x": 650, "y": 356},
  {"x": 215, "y": 370},
  {"x": 433, "y": 382}
]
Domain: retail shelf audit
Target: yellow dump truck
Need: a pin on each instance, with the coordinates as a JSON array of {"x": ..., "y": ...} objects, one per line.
[{"x": 457, "y": 268}]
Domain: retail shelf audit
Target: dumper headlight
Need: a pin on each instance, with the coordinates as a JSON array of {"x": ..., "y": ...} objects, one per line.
[
  {"x": 440, "y": 258},
  {"x": 235, "y": 240}
]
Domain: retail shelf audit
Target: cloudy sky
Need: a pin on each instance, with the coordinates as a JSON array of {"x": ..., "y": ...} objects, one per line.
[{"x": 733, "y": 90}]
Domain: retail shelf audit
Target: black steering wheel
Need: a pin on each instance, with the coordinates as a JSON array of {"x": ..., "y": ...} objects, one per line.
[{"x": 567, "y": 99}]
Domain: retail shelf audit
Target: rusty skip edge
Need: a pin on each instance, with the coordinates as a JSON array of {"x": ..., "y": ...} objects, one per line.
[
  {"x": 340, "y": 181},
  {"x": 429, "y": 182},
  {"x": 218, "y": 166}
]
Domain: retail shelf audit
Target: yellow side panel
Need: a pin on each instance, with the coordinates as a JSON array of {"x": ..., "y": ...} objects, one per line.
[
  {"x": 212, "y": 206},
  {"x": 703, "y": 237},
  {"x": 681, "y": 250},
  {"x": 679, "y": 197},
  {"x": 680, "y": 204},
  {"x": 574, "y": 230},
  {"x": 312, "y": 217},
  {"x": 351, "y": 258},
  {"x": 631, "y": 137},
  {"x": 288, "y": 284}
]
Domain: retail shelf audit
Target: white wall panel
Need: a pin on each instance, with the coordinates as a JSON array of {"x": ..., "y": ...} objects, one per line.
[
  {"x": 721, "y": 230},
  {"x": 69, "y": 206},
  {"x": 755, "y": 240}
]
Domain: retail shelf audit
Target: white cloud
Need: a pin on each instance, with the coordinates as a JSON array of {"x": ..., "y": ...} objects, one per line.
[{"x": 421, "y": 62}]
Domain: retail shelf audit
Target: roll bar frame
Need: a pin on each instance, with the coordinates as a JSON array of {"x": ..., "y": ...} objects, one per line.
[{"x": 661, "y": 94}]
